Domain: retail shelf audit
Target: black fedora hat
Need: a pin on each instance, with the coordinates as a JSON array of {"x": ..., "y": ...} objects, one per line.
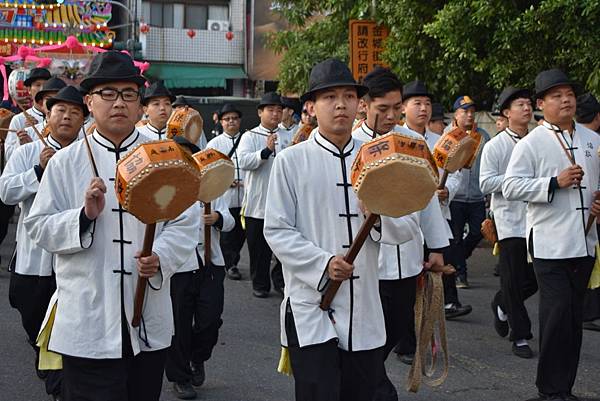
[
  {"x": 509, "y": 94},
  {"x": 587, "y": 108},
  {"x": 68, "y": 94},
  {"x": 157, "y": 89},
  {"x": 292, "y": 103},
  {"x": 54, "y": 84},
  {"x": 37, "y": 73},
  {"x": 329, "y": 74},
  {"x": 415, "y": 88},
  {"x": 180, "y": 101},
  {"x": 270, "y": 99},
  {"x": 437, "y": 112},
  {"x": 111, "y": 66},
  {"x": 549, "y": 79},
  {"x": 228, "y": 108}
]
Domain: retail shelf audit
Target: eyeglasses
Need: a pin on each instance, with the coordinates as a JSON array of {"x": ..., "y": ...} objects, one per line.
[
  {"x": 128, "y": 95},
  {"x": 230, "y": 119}
]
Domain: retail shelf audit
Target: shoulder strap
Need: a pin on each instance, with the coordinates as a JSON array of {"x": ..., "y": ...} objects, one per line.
[{"x": 235, "y": 145}]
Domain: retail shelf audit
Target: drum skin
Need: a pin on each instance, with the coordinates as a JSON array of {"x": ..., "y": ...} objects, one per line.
[
  {"x": 453, "y": 150},
  {"x": 16, "y": 87},
  {"x": 185, "y": 122},
  {"x": 394, "y": 175},
  {"x": 217, "y": 171},
  {"x": 157, "y": 181}
]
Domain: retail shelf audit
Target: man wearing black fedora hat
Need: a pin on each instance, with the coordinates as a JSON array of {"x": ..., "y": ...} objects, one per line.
[
  {"x": 22, "y": 123},
  {"x": 312, "y": 217},
  {"x": 399, "y": 265},
  {"x": 290, "y": 114},
  {"x": 33, "y": 83},
  {"x": 437, "y": 122},
  {"x": 555, "y": 168},
  {"x": 257, "y": 150},
  {"x": 97, "y": 242},
  {"x": 156, "y": 101},
  {"x": 227, "y": 143},
  {"x": 32, "y": 281},
  {"x": 517, "y": 278}
]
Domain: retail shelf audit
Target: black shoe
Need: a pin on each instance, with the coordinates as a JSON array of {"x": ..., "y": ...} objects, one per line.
[
  {"x": 591, "y": 326},
  {"x": 260, "y": 294},
  {"x": 278, "y": 290},
  {"x": 185, "y": 391},
  {"x": 522, "y": 351},
  {"x": 500, "y": 326},
  {"x": 456, "y": 310},
  {"x": 462, "y": 282},
  {"x": 198, "y": 373},
  {"x": 406, "y": 358},
  {"x": 234, "y": 273},
  {"x": 570, "y": 397},
  {"x": 56, "y": 397}
]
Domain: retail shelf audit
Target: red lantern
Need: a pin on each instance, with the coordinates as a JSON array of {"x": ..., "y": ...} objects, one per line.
[
  {"x": 39, "y": 26},
  {"x": 144, "y": 28},
  {"x": 229, "y": 35},
  {"x": 191, "y": 33}
]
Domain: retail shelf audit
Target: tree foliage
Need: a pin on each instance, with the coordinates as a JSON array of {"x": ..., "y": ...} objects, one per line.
[{"x": 474, "y": 47}]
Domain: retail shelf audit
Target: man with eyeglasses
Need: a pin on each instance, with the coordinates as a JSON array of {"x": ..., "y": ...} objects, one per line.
[
  {"x": 156, "y": 101},
  {"x": 77, "y": 217},
  {"x": 227, "y": 143}
]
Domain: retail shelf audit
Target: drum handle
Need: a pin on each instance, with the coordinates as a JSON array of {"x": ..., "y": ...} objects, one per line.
[
  {"x": 207, "y": 240},
  {"x": 443, "y": 179},
  {"x": 140, "y": 291},
  {"x": 350, "y": 256},
  {"x": 591, "y": 218}
]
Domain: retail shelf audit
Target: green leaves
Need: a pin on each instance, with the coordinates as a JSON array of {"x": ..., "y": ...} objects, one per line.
[{"x": 474, "y": 47}]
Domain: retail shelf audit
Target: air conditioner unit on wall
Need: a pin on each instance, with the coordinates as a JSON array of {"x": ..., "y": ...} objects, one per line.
[{"x": 218, "y": 25}]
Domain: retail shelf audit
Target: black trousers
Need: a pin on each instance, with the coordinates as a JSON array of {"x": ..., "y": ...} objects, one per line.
[
  {"x": 260, "y": 257},
  {"x": 136, "y": 378},
  {"x": 562, "y": 284},
  {"x": 449, "y": 280},
  {"x": 517, "y": 283},
  {"x": 30, "y": 295},
  {"x": 233, "y": 241},
  {"x": 323, "y": 372},
  {"x": 6, "y": 212},
  {"x": 398, "y": 301},
  {"x": 472, "y": 214},
  {"x": 198, "y": 299}
]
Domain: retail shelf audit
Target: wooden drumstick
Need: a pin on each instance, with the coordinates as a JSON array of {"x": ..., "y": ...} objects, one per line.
[
  {"x": 142, "y": 283},
  {"x": 591, "y": 218},
  {"x": 33, "y": 125},
  {"x": 443, "y": 179},
  {"x": 207, "y": 239},
  {"x": 8, "y": 130},
  {"x": 357, "y": 243}
]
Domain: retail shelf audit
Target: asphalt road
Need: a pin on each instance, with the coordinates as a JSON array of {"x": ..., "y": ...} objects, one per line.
[{"x": 243, "y": 367}]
